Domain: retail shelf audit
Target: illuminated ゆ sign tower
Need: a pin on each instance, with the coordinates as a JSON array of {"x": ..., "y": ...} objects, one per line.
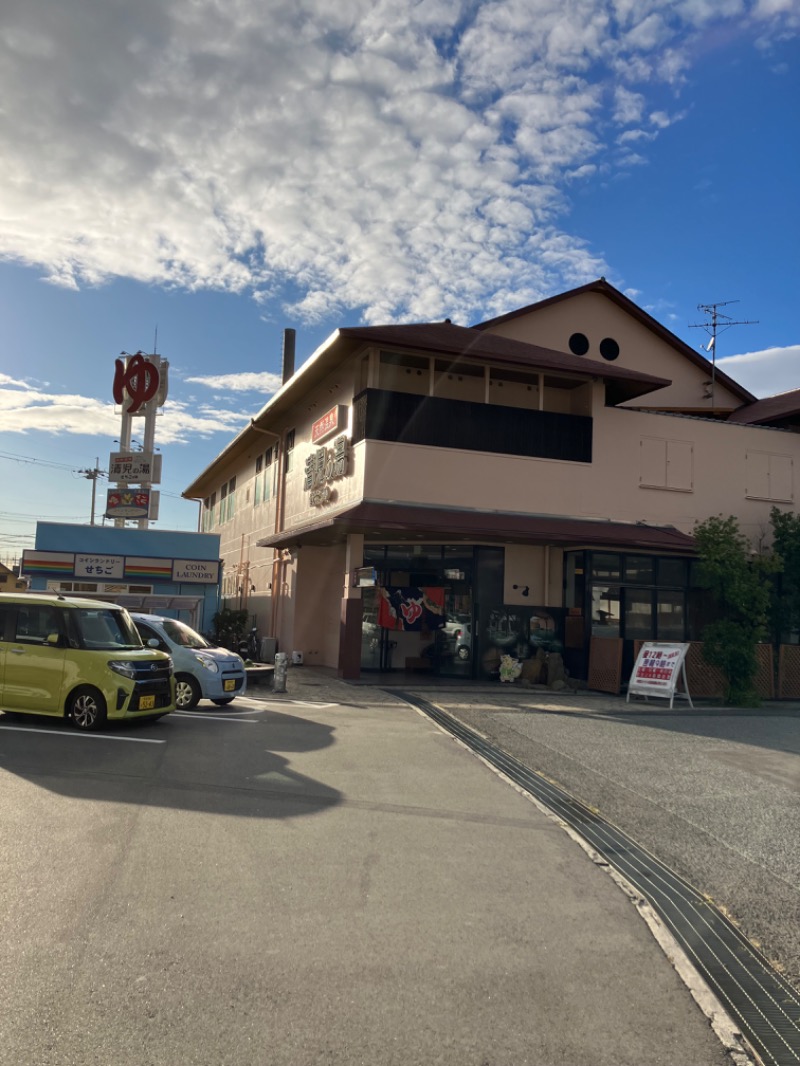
[{"x": 140, "y": 388}]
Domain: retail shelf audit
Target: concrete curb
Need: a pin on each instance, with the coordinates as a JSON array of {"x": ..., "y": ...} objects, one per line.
[{"x": 719, "y": 1019}]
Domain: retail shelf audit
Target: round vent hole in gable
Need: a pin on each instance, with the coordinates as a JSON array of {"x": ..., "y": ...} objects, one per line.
[
  {"x": 579, "y": 344},
  {"x": 609, "y": 349}
]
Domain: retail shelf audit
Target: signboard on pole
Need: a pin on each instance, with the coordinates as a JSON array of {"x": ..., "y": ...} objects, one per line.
[
  {"x": 134, "y": 467},
  {"x": 127, "y": 503},
  {"x": 658, "y": 669}
]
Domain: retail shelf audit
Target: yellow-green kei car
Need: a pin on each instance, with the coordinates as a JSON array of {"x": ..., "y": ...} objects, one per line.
[{"x": 79, "y": 659}]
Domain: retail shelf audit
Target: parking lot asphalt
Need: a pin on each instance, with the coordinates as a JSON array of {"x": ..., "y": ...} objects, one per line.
[
  {"x": 714, "y": 792},
  {"x": 316, "y": 876}
]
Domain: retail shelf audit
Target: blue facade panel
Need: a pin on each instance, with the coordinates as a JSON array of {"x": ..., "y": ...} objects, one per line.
[{"x": 138, "y": 547}]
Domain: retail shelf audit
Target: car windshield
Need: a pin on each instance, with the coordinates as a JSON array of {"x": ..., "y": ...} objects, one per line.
[
  {"x": 185, "y": 636},
  {"x": 110, "y": 628}
]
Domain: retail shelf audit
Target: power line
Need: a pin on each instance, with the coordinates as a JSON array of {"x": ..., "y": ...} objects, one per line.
[
  {"x": 19, "y": 516},
  {"x": 14, "y": 457}
]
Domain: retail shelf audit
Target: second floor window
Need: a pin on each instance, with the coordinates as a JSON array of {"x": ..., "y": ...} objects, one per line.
[{"x": 227, "y": 500}]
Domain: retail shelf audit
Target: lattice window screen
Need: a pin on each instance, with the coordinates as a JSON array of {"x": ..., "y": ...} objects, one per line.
[
  {"x": 605, "y": 664},
  {"x": 789, "y": 672}
]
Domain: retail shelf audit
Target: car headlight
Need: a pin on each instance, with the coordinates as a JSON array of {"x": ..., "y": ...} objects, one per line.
[
  {"x": 209, "y": 664},
  {"x": 122, "y": 666}
]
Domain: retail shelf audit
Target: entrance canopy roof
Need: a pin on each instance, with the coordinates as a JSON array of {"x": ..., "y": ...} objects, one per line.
[
  {"x": 405, "y": 522},
  {"x": 154, "y": 603}
]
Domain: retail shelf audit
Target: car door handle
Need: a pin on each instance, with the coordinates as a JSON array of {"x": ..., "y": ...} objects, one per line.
[{"x": 17, "y": 651}]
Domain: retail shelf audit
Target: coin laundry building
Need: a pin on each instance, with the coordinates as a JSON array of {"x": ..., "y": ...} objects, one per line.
[
  {"x": 158, "y": 571},
  {"x": 532, "y": 481}
]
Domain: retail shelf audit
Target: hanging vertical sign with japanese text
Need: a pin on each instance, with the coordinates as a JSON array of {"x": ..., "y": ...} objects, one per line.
[{"x": 323, "y": 466}]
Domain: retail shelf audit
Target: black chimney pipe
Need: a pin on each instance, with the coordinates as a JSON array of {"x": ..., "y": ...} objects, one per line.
[{"x": 287, "y": 359}]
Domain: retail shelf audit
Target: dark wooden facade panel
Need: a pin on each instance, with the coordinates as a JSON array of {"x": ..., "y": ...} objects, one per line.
[
  {"x": 605, "y": 664},
  {"x": 438, "y": 423}
]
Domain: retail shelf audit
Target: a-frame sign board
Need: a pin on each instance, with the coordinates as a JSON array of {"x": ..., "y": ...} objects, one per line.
[{"x": 658, "y": 669}]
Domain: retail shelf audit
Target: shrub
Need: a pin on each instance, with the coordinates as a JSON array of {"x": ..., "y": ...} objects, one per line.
[{"x": 739, "y": 581}]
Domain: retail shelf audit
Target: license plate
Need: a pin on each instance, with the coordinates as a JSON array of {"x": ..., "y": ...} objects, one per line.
[
  {"x": 229, "y": 686},
  {"x": 147, "y": 703}
]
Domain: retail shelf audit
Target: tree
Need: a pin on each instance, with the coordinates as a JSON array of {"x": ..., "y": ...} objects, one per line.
[
  {"x": 739, "y": 581},
  {"x": 785, "y": 606},
  {"x": 229, "y": 626}
]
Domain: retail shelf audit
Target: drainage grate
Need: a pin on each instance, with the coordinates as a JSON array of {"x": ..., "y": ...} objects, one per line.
[{"x": 764, "y": 1006}]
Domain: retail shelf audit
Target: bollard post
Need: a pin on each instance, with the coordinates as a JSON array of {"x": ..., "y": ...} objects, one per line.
[{"x": 279, "y": 673}]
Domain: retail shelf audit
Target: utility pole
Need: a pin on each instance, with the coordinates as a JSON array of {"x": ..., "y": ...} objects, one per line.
[
  {"x": 718, "y": 324},
  {"x": 93, "y": 475}
]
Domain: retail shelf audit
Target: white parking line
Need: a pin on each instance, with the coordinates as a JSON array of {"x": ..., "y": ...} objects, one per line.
[
  {"x": 214, "y": 717},
  {"x": 298, "y": 703},
  {"x": 257, "y": 710},
  {"x": 78, "y": 736}
]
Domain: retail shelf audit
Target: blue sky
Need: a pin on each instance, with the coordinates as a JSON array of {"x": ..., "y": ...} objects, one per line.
[{"x": 218, "y": 172}]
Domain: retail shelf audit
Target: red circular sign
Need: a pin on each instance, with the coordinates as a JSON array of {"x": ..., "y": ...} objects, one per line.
[{"x": 139, "y": 379}]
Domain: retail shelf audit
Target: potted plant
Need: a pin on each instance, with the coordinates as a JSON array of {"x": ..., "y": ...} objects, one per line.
[{"x": 510, "y": 668}]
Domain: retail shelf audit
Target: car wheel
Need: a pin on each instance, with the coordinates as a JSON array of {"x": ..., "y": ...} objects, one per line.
[
  {"x": 223, "y": 703},
  {"x": 187, "y": 692},
  {"x": 463, "y": 653},
  {"x": 86, "y": 709}
]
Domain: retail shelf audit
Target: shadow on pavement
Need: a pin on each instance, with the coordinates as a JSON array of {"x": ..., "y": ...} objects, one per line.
[
  {"x": 774, "y": 727},
  {"x": 212, "y": 767}
]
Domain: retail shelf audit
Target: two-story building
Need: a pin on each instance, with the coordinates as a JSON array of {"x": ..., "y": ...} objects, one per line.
[
  {"x": 11, "y": 581},
  {"x": 529, "y": 482}
]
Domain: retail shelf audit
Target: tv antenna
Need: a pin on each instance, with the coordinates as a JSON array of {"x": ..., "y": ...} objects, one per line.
[{"x": 718, "y": 324}]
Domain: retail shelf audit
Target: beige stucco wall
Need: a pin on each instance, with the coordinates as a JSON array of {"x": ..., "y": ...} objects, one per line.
[
  {"x": 318, "y": 602},
  {"x": 539, "y": 568},
  {"x": 252, "y": 522},
  {"x": 609, "y": 487},
  {"x": 598, "y": 317}
]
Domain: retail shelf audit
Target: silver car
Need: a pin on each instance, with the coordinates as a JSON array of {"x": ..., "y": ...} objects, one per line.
[{"x": 202, "y": 671}]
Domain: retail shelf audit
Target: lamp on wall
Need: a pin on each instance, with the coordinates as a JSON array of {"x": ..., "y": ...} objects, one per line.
[{"x": 524, "y": 589}]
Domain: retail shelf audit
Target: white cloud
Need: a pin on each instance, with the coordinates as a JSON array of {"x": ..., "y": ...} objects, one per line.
[
  {"x": 628, "y": 106},
  {"x": 242, "y": 382},
  {"x": 630, "y": 136},
  {"x": 661, "y": 120},
  {"x": 766, "y": 372},
  {"x": 779, "y": 15},
  {"x": 29, "y": 410},
  {"x": 404, "y": 159},
  {"x": 16, "y": 383},
  {"x": 647, "y": 34}
]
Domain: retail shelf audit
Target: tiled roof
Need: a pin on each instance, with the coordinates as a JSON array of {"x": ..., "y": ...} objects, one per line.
[
  {"x": 460, "y": 341},
  {"x": 782, "y": 408}
]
